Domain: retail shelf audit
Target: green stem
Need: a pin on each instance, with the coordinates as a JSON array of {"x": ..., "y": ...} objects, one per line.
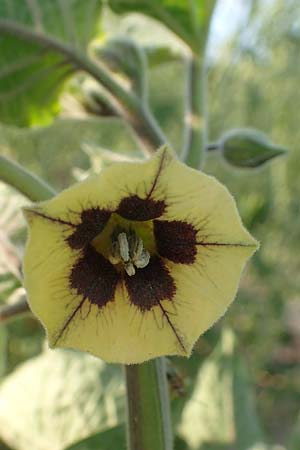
[
  {"x": 133, "y": 110},
  {"x": 195, "y": 115},
  {"x": 149, "y": 424},
  {"x": 25, "y": 182},
  {"x": 15, "y": 310}
]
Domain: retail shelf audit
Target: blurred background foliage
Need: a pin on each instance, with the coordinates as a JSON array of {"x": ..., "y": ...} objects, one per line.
[{"x": 241, "y": 388}]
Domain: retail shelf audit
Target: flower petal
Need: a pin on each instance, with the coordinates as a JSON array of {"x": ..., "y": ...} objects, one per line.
[
  {"x": 205, "y": 289},
  {"x": 127, "y": 188},
  {"x": 47, "y": 263},
  {"x": 134, "y": 327},
  {"x": 121, "y": 332},
  {"x": 68, "y": 281},
  {"x": 203, "y": 202}
]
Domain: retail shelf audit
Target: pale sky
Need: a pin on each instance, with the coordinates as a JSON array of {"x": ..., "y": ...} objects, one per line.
[{"x": 229, "y": 14}]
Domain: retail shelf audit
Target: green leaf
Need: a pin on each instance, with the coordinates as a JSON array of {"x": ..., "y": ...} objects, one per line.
[
  {"x": 248, "y": 148},
  {"x": 220, "y": 413},
  {"x": 61, "y": 396},
  {"x": 188, "y": 19},
  {"x": 31, "y": 76},
  {"x": 113, "y": 438}
]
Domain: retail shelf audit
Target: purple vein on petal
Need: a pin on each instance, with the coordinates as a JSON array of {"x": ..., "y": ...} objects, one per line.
[
  {"x": 159, "y": 171},
  {"x": 69, "y": 320},
  {"x": 50, "y": 218},
  {"x": 179, "y": 339},
  {"x": 224, "y": 244}
]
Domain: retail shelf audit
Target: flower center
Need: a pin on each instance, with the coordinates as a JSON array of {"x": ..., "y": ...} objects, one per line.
[{"x": 127, "y": 248}]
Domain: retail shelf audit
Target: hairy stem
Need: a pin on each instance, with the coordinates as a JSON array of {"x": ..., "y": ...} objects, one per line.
[
  {"x": 195, "y": 114},
  {"x": 23, "y": 181},
  {"x": 132, "y": 108},
  {"x": 14, "y": 310},
  {"x": 149, "y": 424}
]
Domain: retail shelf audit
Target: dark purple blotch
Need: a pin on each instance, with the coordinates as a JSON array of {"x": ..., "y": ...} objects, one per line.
[
  {"x": 176, "y": 240},
  {"x": 93, "y": 221},
  {"x": 150, "y": 285},
  {"x": 140, "y": 209},
  {"x": 94, "y": 277}
]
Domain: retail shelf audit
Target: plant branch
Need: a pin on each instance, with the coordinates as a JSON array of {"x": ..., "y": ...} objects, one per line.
[
  {"x": 195, "y": 115},
  {"x": 23, "y": 181},
  {"x": 14, "y": 310},
  {"x": 149, "y": 424},
  {"x": 195, "y": 138},
  {"x": 133, "y": 110}
]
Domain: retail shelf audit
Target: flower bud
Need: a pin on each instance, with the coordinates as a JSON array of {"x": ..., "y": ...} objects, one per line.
[{"x": 248, "y": 148}]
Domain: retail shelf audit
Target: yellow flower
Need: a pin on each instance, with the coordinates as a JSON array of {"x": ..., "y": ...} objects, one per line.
[{"x": 135, "y": 262}]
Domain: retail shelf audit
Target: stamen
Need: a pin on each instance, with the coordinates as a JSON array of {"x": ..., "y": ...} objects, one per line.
[
  {"x": 123, "y": 246},
  {"x": 128, "y": 249},
  {"x": 129, "y": 267},
  {"x": 143, "y": 260},
  {"x": 115, "y": 257},
  {"x": 138, "y": 248}
]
